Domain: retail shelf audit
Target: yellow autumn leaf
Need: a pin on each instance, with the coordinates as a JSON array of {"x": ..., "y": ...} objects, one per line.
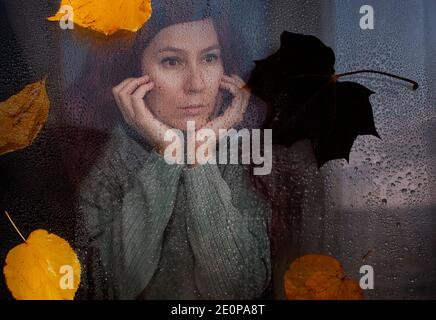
[
  {"x": 45, "y": 267},
  {"x": 319, "y": 277},
  {"x": 22, "y": 116},
  {"x": 107, "y": 16}
]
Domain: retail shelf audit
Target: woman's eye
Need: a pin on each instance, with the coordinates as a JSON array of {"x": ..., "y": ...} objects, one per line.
[
  {"x": 211, "y": 58},
  {"x": 171, "y": 62}
]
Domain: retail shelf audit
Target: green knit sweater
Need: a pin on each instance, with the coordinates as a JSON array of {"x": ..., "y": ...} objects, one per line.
[{"x": 151, "y": 230}]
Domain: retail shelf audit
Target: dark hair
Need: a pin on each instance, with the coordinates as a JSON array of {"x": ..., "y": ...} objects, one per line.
[{"x": 172, "y": 14}]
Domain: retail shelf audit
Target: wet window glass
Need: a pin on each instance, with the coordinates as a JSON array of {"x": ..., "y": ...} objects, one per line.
[{"x": 218, "y": 150}]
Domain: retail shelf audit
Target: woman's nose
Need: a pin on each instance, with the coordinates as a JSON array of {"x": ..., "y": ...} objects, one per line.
[{"x": 195, "y": 82}]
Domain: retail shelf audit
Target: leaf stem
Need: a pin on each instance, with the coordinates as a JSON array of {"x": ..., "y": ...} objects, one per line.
[
  {"x": 13, "y": 224},
  {"x": 414, "y": 83}
]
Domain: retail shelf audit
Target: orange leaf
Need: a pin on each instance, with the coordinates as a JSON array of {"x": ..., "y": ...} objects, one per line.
[
  {"x": 319, "y": 277},
  {"x": 45, "y": 267},
  {"x": 22, "y": 116},
  {"x": 107, "y": 16}
]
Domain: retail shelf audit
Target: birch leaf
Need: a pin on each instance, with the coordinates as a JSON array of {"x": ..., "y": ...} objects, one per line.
[
  {"x": 22, "y": 116},
  {"x": 45, "y": 267},
  {"x": 107, "y": 16},
  {"x": 319, "y": 277}
]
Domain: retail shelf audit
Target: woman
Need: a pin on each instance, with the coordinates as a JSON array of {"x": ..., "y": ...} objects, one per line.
[{"x": 173, "y": 231}]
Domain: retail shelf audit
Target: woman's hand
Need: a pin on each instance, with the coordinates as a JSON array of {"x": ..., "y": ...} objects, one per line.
[
  {"x": 129, "y": 96},
  {"x": 234, "y": 113}
]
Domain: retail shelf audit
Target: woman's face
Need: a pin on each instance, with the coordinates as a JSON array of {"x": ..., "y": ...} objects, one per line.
[{"x": 184, "y": 62}]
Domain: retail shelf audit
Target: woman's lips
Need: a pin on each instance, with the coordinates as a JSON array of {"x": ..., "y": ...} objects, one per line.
[{"x": 193, "y": 110}]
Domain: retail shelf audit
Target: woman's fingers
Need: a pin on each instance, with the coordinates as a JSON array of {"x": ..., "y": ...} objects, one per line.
[
  {"x": 116, "y": 90},
  {"x": 235, "y": 112},
  {"x": 129, "y": 96},
  {"x": 233, "y": 79},
  {"x": 142, "y": 90},
  {"x": 238, "y": 81},
  {"x": 231, "y": 87},
  {"x": 127, "y": 86},
  {"x": 236, "y": 86},
  {"x": 241, "y": 84},
  {"x": 122, "y": 94},
  {"x": 123, "y": 105},
  {"x": 118, "y": 87},
  {"x": 145, "y": 121},
  {"x": 128, "y": 89},
  {"x": 137, "y": 98},
  {"x": 245, "y": 90},
  {"x": 131, "y": 86}
]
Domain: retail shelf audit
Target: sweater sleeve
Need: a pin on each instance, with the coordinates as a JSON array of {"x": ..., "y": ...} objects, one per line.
[
  {"x": 227, "y": 228},
  {"x": 93, "y": 227},
  {"x": 125, "y": 202}
]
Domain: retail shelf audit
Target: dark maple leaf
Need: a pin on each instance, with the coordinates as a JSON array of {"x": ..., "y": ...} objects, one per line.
[{"x": 307, "y": 102}]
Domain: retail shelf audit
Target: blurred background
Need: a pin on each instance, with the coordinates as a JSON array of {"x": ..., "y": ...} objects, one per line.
[{"x": 379, "y": 209}]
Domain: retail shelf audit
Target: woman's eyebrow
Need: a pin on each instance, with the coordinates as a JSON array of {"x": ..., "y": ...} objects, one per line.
[
  {"x": 212, "y": 47},
  {"x": 174, "y": 49},
  {"x": 171, "y": 49}
]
